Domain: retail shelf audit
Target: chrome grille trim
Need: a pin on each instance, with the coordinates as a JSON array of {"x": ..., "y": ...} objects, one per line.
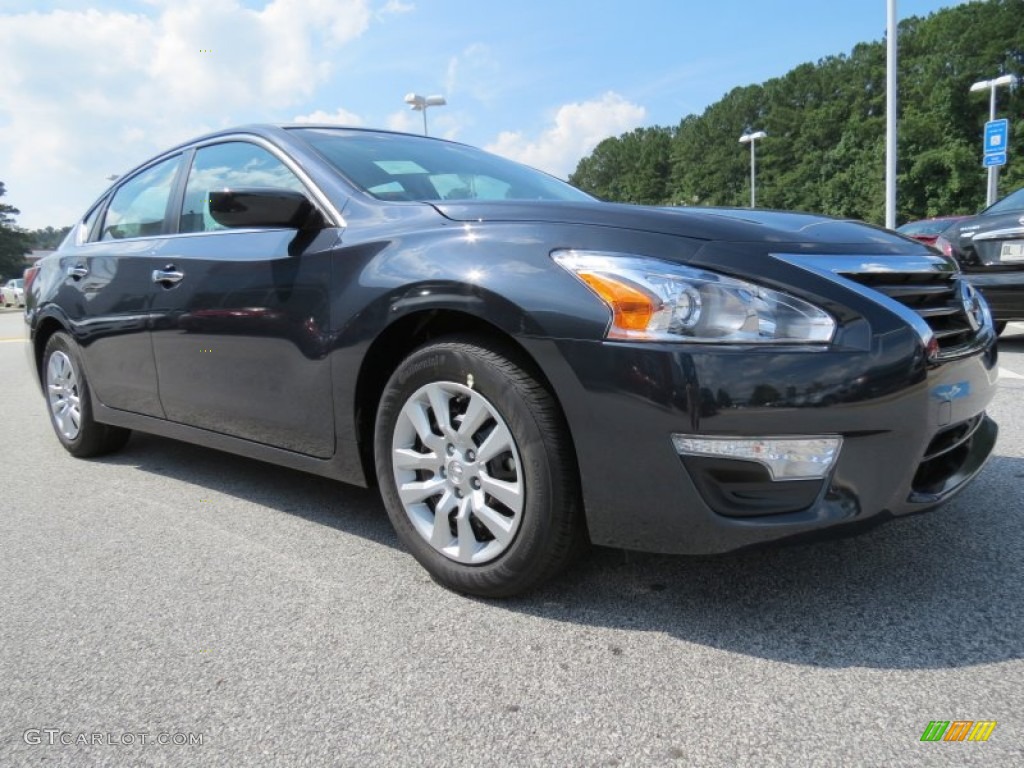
[{"x": 926, "y": 291}]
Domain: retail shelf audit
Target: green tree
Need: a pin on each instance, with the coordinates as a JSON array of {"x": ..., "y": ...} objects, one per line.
[
  {"x": 825, "y": 149},
  {"x": 14, "y": 243},
  {"x": 632, "y": 168},
  {"x": 48, "y": 238}
]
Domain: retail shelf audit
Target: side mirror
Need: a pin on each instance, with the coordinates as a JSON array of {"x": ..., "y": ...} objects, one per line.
[{"x": 264, "y": 207}]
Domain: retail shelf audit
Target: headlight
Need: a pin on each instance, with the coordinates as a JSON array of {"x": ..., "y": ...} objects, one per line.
[{"x": 654, "y": 300}]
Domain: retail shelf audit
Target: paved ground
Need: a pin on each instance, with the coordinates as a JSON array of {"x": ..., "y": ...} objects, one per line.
[{"x": 175, "y": 590}]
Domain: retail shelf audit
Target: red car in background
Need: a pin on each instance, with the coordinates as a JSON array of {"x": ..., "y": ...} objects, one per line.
[{"x": 927, "y": 230}]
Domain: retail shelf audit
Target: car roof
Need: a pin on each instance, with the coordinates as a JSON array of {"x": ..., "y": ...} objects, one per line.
[{"x": 281, "y": 130}]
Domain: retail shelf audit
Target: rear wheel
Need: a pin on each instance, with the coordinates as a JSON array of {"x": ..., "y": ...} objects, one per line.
[
  {"x": 476, "y": 469},
  {"x": 67, "y": 398}
]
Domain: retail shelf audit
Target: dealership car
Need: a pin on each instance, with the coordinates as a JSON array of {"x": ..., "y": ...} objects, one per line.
[
  {"x": 928, "y": 230},
  {"x": 990, "y": 249},
  {"x": 519, "y": 367},
  {"x": 12, "y": 293}
]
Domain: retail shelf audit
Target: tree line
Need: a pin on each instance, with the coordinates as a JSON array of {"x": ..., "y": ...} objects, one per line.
[
  {"x": 825, "y": 149},
  {"x": 16, "y": 243}
]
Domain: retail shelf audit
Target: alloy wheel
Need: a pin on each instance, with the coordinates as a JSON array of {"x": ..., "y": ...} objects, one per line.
[
  {"x": 62, "y": 394},
  {"x": 458, "y": 474}
]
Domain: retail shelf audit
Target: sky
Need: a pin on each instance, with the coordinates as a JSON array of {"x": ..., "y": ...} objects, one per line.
[{"x": 91, "y": 88}]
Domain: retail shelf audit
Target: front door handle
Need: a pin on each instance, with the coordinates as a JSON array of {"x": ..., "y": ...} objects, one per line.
[
  {"x": 168, "y": 276},
  {"x": 78, "y": 271}
]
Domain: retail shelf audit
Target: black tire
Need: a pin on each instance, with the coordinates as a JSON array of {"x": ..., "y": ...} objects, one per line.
[
  {"x": 1000, "y": 327},
  {"x": 92, "y": 438},
  {"x": 551, "y": 531}
]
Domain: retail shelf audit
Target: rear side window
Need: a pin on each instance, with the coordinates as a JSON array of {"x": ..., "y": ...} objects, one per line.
[
  {"x": 1012, "y": 202},
  {"x": 232, "y": 165},
  {"x": 139, "y": 206}
]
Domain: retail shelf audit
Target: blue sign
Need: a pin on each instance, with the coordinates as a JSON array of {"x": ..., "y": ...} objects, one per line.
[
  {"x": 996, "y": 134},
  {"x": 994, "y": 159}
]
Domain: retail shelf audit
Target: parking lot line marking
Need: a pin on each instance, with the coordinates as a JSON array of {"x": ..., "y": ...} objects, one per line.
[
  {"x": 13, "y": 339},
  {"x": 1006, "y": 373}
]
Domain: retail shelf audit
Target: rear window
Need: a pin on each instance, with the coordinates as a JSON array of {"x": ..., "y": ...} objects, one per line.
[
  {"x": 1012, "y": 202},
  {"x": 924, "y": 227},
  {"x": 401, "y": 167}
]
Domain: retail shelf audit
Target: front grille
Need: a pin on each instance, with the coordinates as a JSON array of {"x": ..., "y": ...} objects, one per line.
[{"x": 936, "y": 296}]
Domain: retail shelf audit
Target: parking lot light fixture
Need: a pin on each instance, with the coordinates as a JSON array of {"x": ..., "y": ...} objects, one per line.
[
  {"x": 421, "y": 103},
  {"x": 991, "y": 85},
  {"x": 751, "y": 138}
]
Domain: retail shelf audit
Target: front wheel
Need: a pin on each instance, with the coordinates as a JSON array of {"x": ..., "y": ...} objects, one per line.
[
  {"x": 67, "y": 398},
  {"x": 476, "y": 469}
]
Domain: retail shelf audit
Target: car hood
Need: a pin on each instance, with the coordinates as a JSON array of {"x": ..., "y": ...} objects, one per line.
[{"x": 722, "y": 224}]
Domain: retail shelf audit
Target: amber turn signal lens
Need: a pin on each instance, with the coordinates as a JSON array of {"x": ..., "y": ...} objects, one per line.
[{"x": 631, "y": 307}]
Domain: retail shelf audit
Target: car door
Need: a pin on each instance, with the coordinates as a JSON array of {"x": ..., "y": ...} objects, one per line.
[
  {"x": 106, "y": 287},
  {"x": 241, "y": 316}
]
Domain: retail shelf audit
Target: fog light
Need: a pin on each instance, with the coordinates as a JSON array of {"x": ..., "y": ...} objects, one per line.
[{"x": 786, "y": 458}]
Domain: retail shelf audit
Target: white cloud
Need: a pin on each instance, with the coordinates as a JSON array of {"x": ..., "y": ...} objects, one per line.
[
  {"x": 406, "y": 121},
  {"x": 395, "y": 8},
  {"x": 473, "y": 71},
  {"x": 338, "y": 117},
  {"x": 577, "y": 129},
  {"x": 89, "y": 93}
]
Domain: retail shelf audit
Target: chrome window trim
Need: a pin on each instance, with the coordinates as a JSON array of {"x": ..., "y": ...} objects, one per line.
[
  {"x": 239, "y": 231},
  {"x": 334, "y": 215}
]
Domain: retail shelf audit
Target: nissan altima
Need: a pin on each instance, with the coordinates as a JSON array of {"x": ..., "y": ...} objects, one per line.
[{"x": 520, "y": 368}]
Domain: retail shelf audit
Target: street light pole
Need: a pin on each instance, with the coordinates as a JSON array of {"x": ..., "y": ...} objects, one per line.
[
  {"x": 751, "y": 139},
  {"x": 992, "y": 192},
  {"x": 892, "y": 33},
  {"x": 420, "y": 103}
]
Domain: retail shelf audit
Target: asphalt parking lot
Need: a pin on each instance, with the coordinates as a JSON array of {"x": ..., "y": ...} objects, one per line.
[{"x": 173, "y": 591}]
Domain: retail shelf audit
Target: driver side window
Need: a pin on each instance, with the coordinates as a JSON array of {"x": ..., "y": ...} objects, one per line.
[{"x": 232, "y": 165}]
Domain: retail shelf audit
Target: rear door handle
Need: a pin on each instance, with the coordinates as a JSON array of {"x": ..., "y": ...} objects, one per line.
[
  {"x": 168, "y": 276},
  {"x": 78, "y": 271}
]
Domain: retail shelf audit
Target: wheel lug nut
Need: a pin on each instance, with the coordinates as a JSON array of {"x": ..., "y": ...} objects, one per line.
[
  {"x": 442, "y": 473},
  {"x": 475, "y": 482},
  {"x": 470, "y": 456},
  {"x": 450, "y": 449},
  {"x": 458, "y": 493}
]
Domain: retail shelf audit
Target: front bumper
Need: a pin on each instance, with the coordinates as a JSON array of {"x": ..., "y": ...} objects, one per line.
[{"x": 913, "y": 436}]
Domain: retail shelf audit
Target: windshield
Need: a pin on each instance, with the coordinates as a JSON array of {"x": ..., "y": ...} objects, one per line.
[
  {"x": 1012, "y": 202},
  {"x": 400, "y": 167}
]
